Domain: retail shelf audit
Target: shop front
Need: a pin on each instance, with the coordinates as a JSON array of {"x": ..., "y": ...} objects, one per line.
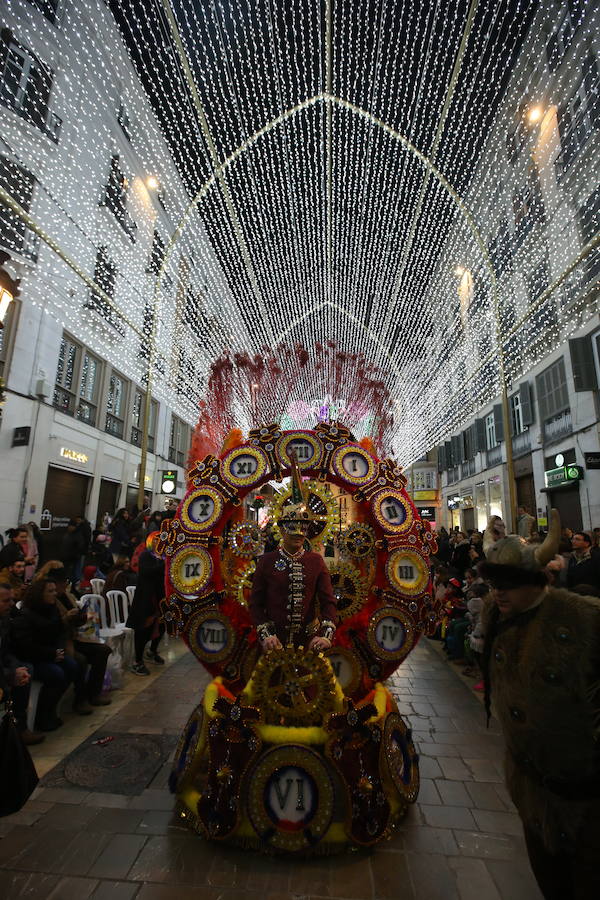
[
  {"x": 562, "y": 488},
  {"x": 66, "y": 493}
]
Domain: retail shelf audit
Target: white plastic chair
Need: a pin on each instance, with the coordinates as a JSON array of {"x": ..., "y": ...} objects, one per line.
[
  {"x": 97, "y": 585},
  {"x": 119, "y": 609},
  {"x": 130, "y": 593},
  {"x": 34, "y": 696}
]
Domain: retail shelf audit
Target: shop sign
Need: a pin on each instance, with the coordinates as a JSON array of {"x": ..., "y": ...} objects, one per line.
[
  {"x": 592, "y": 460},
  {"x": 46, "y": 520},
  {"x": 563, "y": 475},
  {"x": 73, "y": 455},
  {"x": 454, "y": 502},
  {"x": 21, "y": 436},
  {"x": 426, "y": 512},
  {"x": 425, "y": 495}
]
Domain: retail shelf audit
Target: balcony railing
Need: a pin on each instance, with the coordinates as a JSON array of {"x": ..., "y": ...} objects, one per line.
[
  {"x": 116, "y": 204},
  {"x": 558, "y": 426},
  {"x": 467, "y": 468},
  {"x": 494, "y": 456},
  {"x": 521, "y": 443},
  {"x": 136, "y": 439},
  {"x": 175, "y": 456},
  {"x": 114, "y": 426},
  {"x": 18, "y": 239}
]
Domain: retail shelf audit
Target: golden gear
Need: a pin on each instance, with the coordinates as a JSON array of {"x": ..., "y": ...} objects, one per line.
[
  {"x": 322, "y": 510},
  {"x": 245, "y": 540},
  {"x": 293, "y": 687},
  {"x": 398, "y": 758},
  {"x": 357, "y": 540},
  {"x": 242, "y": 583},
  {"x": 349, "y": 587}
]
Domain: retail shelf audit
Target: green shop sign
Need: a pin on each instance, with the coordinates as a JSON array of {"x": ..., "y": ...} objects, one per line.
[{"x": 563, "y": 475}]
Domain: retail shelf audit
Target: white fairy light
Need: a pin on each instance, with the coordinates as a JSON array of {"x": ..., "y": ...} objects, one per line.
[{"x": 364, "y": 240}]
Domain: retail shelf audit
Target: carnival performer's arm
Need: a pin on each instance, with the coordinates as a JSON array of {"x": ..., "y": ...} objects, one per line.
[
  {"x": 265, "y": 627},
  {"x": 328, "y": 611}
]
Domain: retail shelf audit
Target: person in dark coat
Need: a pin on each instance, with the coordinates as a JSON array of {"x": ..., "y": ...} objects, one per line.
[
  {"x": 122, "y": 528},
  {"x": 584, "y": 564},
  {"x": 145, "y": 611},
  {"x": 72, "y": 548},
  {"x": 40, "y": 637},
  {"x": 15, "y": 676},
  {"x": 16, "y": 548}
]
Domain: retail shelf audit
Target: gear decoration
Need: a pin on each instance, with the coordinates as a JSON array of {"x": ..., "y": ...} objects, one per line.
[
  {"x": 407, "y": 572},
  {"x": 399, "y": 758},
  {"x": 293, "y": 687},
  {"x": 349, "y": 587},
  {"x": 322, "y": 505},
  {"x": 390, "y": 634},
  {"x": 230, "y": 783},
  {"x": 246, "y": 540},
  {"x": 290, "y": 798},
  {"x": 357, "y": 540}
]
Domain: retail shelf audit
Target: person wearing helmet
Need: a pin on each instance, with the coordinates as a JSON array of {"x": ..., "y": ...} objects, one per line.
[
  {"x": 292, "y": 601},
  {"x": 541, "y": 663}
]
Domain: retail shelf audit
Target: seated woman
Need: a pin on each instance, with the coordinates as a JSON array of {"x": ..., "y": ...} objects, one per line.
[
  {"x": 120, "y": 576},
  {"x": 40, "y": 638}
]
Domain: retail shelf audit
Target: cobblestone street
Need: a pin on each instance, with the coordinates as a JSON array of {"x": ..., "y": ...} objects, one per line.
[{"x": 461, "y": 840}]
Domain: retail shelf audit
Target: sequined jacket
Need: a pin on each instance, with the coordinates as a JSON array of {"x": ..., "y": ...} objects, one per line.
[
  {"x": 544, "y": 670},
  {"x": 277, "y": 583}
]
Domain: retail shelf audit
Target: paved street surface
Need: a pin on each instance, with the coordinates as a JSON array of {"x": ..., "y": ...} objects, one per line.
[{"x": 462, "y": 839}]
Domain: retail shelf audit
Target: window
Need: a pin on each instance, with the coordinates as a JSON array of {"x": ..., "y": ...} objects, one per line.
[
  {"x": 579, "y": 116},
  {"x": 589, "y": 225},
  {"x": 516, "y": 415},
  {"x": 528, "y": 207},
  {"x": 6, "y": 336},
  {"x": 516, "y": 140},
  {"x": 123, "y": 120},
  {"x": 500, "y": 250},
  {"x": 18, "y": 182},
  {"x": 78, "y": 376},
  {"x": 551, "y": 384},
  {"x": 137, "y": 419},
  {"x": 179, "y": 441},
  {"x": 115, "y": 198},
  {"x": 490, "y": 432},
  {"x": 25, "y": 83},
  {"x": 105, "y": 276},
  {"x": 157, "y": 254},
  {"x": 47, "y": 7},
  {"x": 424, "y": 480},
  {"x": 116, "y": 405}
]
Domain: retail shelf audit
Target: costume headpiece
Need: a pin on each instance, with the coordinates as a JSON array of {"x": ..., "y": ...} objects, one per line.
[
  {"x": 512, "y": 559},
  {"x": 295, "y": 518}
]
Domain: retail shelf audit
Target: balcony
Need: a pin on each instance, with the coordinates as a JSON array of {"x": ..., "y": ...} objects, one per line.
[
  {"x": 114, "y": 426},
  {"x": 136, "y": 439},
  {"x": 115, "y": 202},
  {"x": 557, "y": 427},
  {"x": 18, "y": 239},
  {"x": 493, "y": 457},
  {"x": 467, "y": 468},
  {"x": 110, "y": 316},
  {"x": 521, "y": 443},
  {"x": 38, "y": 115}
]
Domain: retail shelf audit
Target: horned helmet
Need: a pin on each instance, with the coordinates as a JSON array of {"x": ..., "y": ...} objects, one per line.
[{"x": 512, "y": 561}]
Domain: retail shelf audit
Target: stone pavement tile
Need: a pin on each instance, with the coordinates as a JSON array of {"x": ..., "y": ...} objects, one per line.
[
  {"x": 515, "y": 880},
  {"x": 76, "y": 857},
  {"x": 442, "y": 723},
  {"x": 484, "y": 770},
  {"x": 448, "y": 816},
  {"x": 73, "y": 889},
  {"x": 426, "y": 839},
  {"x": 350, "y": 876},
  {"x": 158, "y": 821},
  {"x": 153, "y": 799},
  {"x": 485, "y": 796},
  {"x": 498, "y": 822},
  {"x": 25, "y": 816},
  {"x": 504, "y": 796},
  {"x": 115, "y": 890},
  {"x": 26, "y": 885},
  {"x": 432, "y": 877},
  {"x": 454, "y": 769},
  {"x": 173, "y": 859},
  {"x": 116, "y": 821},
  {"x": 268, "y": 873},
  {"x": 428, "y": 792},
  {"x": 391, "y": 876},
  {"x": 118, "y": 856},
  {"x": 115, "y": 801},
  {"x": 429, "y": 767},
  {"x": 453, "y": 793},
  {"x": 170, "y": 892},
  {"x": 62, "y": 795},
  {"x": 473, "y": 879},
  {"x": 68, "y": 816},
  {"x": 422, "y": 707},
  {"x": 489, "y": 846},
  {"x": 432, "y": 748}
]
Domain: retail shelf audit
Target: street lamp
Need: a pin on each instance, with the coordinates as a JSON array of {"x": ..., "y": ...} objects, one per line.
[{"x": 152, "y": 183}]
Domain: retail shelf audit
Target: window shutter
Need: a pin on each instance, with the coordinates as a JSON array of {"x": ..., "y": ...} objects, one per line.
[
  {"x": 582, "y": 362},
  {"x": 449, "y": 459},
  {"x": 527, "y": 410},
  {"x": 456, "y": 441},
  {"x": 552, "y": 53},
  {"x": 442, "y": 465},
  {"x": 480, "y": 441},
  {"x": 498, "y": 423}
]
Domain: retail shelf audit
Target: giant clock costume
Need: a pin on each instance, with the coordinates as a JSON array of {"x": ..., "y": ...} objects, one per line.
[{"x": 295, "y": 751}]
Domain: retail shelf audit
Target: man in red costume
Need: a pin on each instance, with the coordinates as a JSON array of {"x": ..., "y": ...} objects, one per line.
[{"x": 292, "y": 601}]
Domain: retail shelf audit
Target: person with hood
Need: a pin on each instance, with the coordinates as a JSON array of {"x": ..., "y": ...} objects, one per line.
[{"x": 541, "y": 664}]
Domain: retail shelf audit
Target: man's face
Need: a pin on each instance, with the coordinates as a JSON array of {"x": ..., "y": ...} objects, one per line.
[
  {"x": 514, "y": 600},
  {"x": 579, "y": 543},
  {"x": 18, "y": 568},
  {"x": 293, "y": 540},
  {"x": 6, "y": 602}
]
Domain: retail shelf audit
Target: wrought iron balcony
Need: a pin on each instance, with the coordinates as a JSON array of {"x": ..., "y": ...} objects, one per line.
[{"x": 558, "y": 426}]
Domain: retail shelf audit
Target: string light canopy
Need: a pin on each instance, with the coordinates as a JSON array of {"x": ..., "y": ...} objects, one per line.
[{"x": 415, "y": 183}]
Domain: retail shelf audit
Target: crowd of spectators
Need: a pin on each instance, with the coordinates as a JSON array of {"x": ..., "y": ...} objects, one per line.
[
  {"x": 49, "y": 634},
  {"x": 466, "y": 596}
]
